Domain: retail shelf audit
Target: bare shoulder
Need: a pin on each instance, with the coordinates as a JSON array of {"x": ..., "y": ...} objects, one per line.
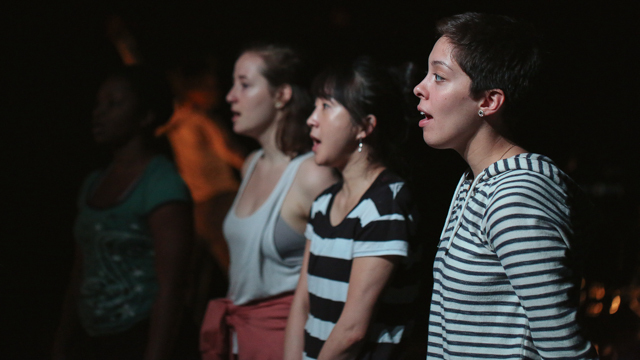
[
  {"x": 313, "y": 178},
  {"x": 247, "y": 161}
]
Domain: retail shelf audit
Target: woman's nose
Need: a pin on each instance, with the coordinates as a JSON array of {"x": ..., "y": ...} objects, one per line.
[
  {"x": 311, "y": 120},
  {"x": 231, "y": 96},
  {"x": 420, "y": 90}
]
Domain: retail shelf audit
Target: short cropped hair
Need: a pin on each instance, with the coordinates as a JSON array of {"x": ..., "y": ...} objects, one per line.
[{"x": 496, "y": 52}]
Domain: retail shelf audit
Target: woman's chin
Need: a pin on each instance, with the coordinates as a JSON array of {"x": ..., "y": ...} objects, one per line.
[
  {"x": 320, "y": 160},
  {"x": 317, "y": 159}
]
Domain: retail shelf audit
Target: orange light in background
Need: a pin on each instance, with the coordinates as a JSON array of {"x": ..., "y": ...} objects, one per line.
[
  {"x": 123, "y": 40},
  {"x": 615, "y": 304},
  {"x": 596, "y": 291},
  {"x": 594, "y": 309}
]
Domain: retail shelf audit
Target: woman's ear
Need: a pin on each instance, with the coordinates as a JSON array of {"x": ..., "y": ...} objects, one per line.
[
  {"x": 492, "y": 101},
  {"x": 369, "y": 125},
  {"x": 282, "y": 96}
]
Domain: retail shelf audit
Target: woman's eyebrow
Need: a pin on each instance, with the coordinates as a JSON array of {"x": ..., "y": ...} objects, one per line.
[{"x": 440, "y": 62}]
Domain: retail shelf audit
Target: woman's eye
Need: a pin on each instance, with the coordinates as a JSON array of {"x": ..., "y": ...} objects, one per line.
[
  {"x": 438, "y": 77},
  {"x": 325, "y": 106},
  {"x": 244, "y": 86}
]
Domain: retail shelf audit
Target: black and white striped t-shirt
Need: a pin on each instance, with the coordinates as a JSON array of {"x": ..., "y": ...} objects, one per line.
[
  {"x": 503, "y": 286},
  {"x": 382, "y": 223}
]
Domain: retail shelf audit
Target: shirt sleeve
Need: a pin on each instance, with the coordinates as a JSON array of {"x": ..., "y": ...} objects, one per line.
[
  {"x": 386, "y": 223},
  {"x": 87, "y": 184},
  {"x": 528, "y": 226},
  {"x": 164, "y": 185}
]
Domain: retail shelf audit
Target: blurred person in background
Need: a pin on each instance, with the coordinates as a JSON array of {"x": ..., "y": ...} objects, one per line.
[
  {"x": 264, "y": 227},
  {"x": 133, "y": 231},
  {"x": 209, "y": 163}
]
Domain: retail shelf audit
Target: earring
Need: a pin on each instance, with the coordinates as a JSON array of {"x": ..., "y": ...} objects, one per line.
[
  {"x": 480, "y": 113},
  {"x": 278, "y": 105},
  {"x": 360, "y": 146}
]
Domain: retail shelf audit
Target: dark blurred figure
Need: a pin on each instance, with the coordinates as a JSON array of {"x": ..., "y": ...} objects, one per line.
[
  {"x": 210, "y": 165},
  {"x": 134, "y": 232}
]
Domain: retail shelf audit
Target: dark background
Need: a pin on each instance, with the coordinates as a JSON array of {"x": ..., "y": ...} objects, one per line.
[{"x": 55, "y": 56}]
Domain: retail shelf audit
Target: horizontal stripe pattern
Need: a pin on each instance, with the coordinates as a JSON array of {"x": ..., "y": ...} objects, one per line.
[
  {"x": 501, "y": 281},
  {"x": 380, "y": 224}
]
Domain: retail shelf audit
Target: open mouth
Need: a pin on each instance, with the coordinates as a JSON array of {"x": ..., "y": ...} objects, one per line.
[
  {"x": 315, "y": 142},
  {"x": 427, "y": 118}
]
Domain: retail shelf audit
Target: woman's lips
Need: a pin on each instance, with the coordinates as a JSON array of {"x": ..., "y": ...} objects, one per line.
[
  {"x": 426, "y": 119},
  {"x": 234, "y": 115},
  {"x": 316, "y": 143}
]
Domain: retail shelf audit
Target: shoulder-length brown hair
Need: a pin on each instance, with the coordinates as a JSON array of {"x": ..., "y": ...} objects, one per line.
[{"x": 284, "y": 66}]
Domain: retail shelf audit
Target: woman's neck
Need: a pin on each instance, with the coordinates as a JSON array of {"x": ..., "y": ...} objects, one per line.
[
  {"x": 487, "y": 147},
  {"x": 134, "y": 152},
  {"x": 268, "y": 143},
  {"x": 359, "y": 174}
]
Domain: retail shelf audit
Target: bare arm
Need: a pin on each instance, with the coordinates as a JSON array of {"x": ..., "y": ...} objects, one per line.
[
  {"x": 294, "y": 333},
  {"x": 313, "y": 180},
  {"x": 69, "y": 322},
  {"x": 172, "y": 230},
  {"x": 310, "y": 181},
  {"x": 369, "y": 275}
]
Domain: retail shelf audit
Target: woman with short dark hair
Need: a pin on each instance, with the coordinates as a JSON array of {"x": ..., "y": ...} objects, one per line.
[{"x": 504, "y": 273}]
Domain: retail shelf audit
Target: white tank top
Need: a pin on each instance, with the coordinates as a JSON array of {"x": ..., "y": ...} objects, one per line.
[{"x": 257, "y": 270}]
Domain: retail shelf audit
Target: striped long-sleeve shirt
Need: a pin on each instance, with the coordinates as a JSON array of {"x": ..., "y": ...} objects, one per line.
[{"x": 503, "y": 284}]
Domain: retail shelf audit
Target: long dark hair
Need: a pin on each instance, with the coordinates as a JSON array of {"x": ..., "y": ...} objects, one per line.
[
  {"x": 365, "y": 87},
  {"x": 284, "y": 66}
]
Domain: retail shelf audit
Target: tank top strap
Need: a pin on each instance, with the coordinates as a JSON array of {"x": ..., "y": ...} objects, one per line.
[
  {"x": 247, "y": 175},
  {"x": 244, "y": 181}
]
